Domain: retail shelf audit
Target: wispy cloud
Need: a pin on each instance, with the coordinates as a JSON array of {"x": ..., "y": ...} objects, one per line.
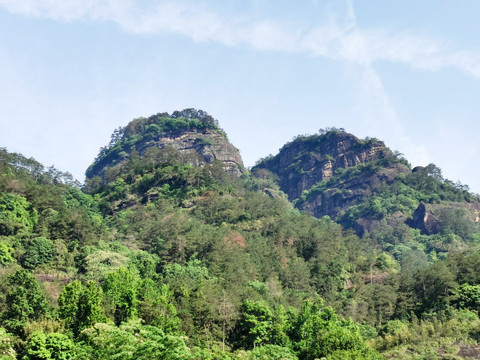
[{"x": 336, "y": 39}]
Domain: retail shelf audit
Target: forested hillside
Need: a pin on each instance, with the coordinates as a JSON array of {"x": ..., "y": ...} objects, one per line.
[{"x": 165, "y": 255}]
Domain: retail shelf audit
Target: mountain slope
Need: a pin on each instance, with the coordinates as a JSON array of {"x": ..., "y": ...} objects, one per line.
[{"x": 165, "y": 257}]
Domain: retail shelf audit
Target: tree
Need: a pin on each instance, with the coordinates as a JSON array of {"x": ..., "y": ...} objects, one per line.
[
  {"x": 53, "y": 346},
  {"x": 433, "y": 286},
  {"x": 271, "y": 352},
  {"x": 156, "y": 307},
  {"x": 318, "y": 333},
  {"x": 121, "y": 289},
  {"x": 468, "y": 296},
  {"x": 7, "y": 351},
  {"x": 25, "y": 300},
  {"x": 80, "y": 306},
  {"x": 6, "y": 252},
  {"x": 16, "y": 214},
  {"x": 40, "y": 250},
  {"x": 255, "y": 325},
  {"x": 131, "y": 340}
]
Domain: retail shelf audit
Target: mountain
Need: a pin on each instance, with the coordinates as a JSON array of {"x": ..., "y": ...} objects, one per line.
[
  {"x": 193, "y": 133},
  {"x": 362, "y": 182}
]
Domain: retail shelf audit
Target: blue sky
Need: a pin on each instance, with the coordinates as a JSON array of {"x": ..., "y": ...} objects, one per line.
[{"x": 406, "y": 72}]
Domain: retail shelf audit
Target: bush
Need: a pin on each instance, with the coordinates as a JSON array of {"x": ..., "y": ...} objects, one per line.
[{"x": 40, "y": 250}]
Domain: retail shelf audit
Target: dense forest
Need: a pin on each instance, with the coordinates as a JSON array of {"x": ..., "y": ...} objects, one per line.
[{"x": 162, "y": 259}]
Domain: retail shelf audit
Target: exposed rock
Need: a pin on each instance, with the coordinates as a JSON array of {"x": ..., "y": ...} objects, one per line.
[
  {"x": 335, "y": 200},
  {"x": 308, "y": 160},
  {"x": 425, "y": 220},
  {"x": 428, "y": 217},
  {"x": 201, "y": 147},
  {"x": 193, "y": 134},
  {"x": 418, "y": 168},
  {"x": 367, "y": 224},
  {"x": 364, "y": 225}
]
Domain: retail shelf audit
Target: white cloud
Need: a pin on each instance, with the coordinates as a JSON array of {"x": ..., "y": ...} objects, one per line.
[{"x": 340, "y": 38}]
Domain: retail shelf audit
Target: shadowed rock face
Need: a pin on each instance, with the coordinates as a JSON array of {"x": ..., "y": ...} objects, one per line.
[
  {"x": 303, "y": 163},
  {"x": 193, "y": 134},
  {"x": 341, "y": 196},
  {"x": 425, "y": 220},
  {"x": 429, "y": 217}
]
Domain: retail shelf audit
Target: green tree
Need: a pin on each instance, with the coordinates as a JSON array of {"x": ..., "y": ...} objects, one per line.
[
  {"x": 271, "y": 352},
  {"x": 433, "y": 286},
  {"x": 6, "y": 252},
  {"x": 121, "y": 290},
  {"x": 156, "y": 306},
  {"x": 317, "y": 332},
  {"x": 255, "y": 325},
  {"x": 7, "y": 351},
  {"x": 53, "y": 346},
  {"x": 468, "y": 296},
  {"x": 25, "y": 300},
  {"x": 131, "y": 340},
  {"x": 16, "y": 214},
  {"x": 39, "y": 251},
  {"x": 81, "y": 306}
]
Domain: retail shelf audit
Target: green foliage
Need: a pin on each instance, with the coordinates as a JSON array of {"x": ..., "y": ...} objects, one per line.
[
  {"x": 39, "y": 251},
  {"x": 256, "y": 324},
  {"x": 433, "y": 286},
  {"x": 80, "y": 306},
  {"x": 156, "y": 306},
  {"x": 455, "y": 221},
  {"x": 132, "y": 341},
  {"x": 16, "y": 214},
  {"x": 271, "y": 352},
  {"x": 7, "y": 341},
  {"x": 6, "y": 252},
  {"x": 102, "y": 262},
  {"x": 317, "y": 332},
  {"x": 25, "y": 300},
  {"x": 468, "y": 297},
  {"x": 186, "y": 262},
  {"x": 121, "y": 289},
  {"x": 436, "y": 338},
  {"x": 53, "y": 346}
]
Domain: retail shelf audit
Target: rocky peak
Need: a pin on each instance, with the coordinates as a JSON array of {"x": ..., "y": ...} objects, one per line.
[
  {"x": 308, "y": 160},
  {"x": 193, "y": 133}
]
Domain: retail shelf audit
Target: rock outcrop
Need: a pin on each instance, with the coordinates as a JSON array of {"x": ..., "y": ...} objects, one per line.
[
  {"x": 305, "y": 161},
  {"x": 342, "y": 195},
  {"x": 193, "y": 134},
  {"x": 309, "y": 160},
  {"x": 430, "y": 218}
]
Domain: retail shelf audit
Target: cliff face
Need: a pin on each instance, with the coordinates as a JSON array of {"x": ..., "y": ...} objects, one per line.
[
  {"x": 306, "y": 161},
  {"x": 200, "y": 147},
  {"x": 345, "y": 194},
  {"x": 309, "y": 161},
  {"x": 193, "y": 134}
]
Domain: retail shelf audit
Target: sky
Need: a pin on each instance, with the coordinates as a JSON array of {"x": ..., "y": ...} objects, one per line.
[{"x": 406, "y": 72}]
